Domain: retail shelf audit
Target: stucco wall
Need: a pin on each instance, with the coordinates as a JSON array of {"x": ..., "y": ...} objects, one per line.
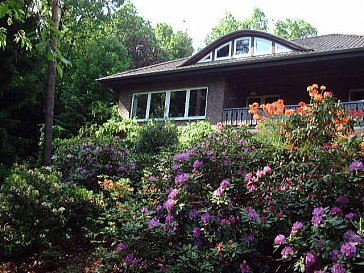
[{"x": 215, "y": 97}]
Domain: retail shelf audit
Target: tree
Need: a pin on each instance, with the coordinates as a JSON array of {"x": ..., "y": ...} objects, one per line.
[
  {"x": 294, "y": 28},
  {"x": 258, "y": 21},
  {"x": 177, "y": 45},
  {"x": 49, "y": 106},
  {"x": 226, "y": 25}
]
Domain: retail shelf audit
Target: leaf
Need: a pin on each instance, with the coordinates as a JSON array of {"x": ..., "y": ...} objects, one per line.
[
  {"x": 3, "y": 10},
  {"x": 50, "y": 55},
  {"x": 59, "y": 70}
]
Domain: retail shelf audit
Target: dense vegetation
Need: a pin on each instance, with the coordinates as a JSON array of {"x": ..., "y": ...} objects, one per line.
[{"x": 197, "y": 199}]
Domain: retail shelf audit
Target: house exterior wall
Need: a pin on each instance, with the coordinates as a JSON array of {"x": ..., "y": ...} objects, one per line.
[{"x": 215, "y": 96}]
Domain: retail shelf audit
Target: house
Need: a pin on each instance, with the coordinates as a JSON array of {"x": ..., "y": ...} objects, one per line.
[{"x": 221, "y": 80}]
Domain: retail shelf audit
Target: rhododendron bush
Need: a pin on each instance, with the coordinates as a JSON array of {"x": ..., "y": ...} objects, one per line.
[{"x": 235, "y": 203}]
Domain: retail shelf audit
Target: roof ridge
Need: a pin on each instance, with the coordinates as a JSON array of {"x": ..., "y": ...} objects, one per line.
[{"x": 328, "y": 34}]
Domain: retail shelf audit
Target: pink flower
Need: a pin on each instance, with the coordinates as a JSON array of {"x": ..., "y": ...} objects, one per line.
[
  {"x": 286, "y": 252},
  {"x": 219, "y": 192},
  {"x": 169, "y": 204},
  {"x": 338, "y": 268},
  {"x": 310, "y": 259},
  {"x": 225, "y": 183},
  {"x": 267, "y": 169},
  {"x": 280, "y": 239},
  {"x": 296, "y": 227},
  {"x": 348, "y": 250},
  {"x": 260, "y": 173},
  {"x": 197, "y": 164},
  {"x": 173, "y": 193},
  {"x": 153, "y": 223}
]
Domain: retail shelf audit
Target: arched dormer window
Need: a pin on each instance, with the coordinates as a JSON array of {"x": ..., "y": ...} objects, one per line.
[{"x": 243, "y": 44}]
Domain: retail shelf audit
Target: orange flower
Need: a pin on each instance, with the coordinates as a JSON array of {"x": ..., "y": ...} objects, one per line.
[
  {"x": 253, "y": 108},
  {"x": 258, "y": 127},
  {"x": 257, "y": 117},
  {"x": 323, "y": 88},
  {"x": 219, "y": 126},
  {"x": 318, "y": 97},
  {"x": 362, "y": 145},
  {"x": 289, "y": 112}
]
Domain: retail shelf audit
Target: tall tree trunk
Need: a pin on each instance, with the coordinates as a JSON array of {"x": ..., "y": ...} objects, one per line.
[{"x": 49, "y": 104}]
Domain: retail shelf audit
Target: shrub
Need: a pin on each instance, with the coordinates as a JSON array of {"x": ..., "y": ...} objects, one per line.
[
  {"x": 81, "y": 161},
  {"x": 38, "y": 212},
  {"x": 155, "y": 136},
  {"x": 194, "y": 133},
  {"x": 229, "y": 201}
]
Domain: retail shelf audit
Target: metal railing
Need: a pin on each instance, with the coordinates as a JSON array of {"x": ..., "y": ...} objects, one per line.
[{"x": 241, "y": 116}]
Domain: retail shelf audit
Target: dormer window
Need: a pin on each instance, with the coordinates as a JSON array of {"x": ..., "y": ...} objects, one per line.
[
  {"x": 223, "y": 52},
  {"x": 280, "y": 49},
  {"x": 206, "y": 59},
  {"x": 262, "y": 46},
  {"x": 242, "y": 47}
]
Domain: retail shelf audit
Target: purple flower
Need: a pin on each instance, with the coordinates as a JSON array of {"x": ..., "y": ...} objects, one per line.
[
  {"x": 169, "y": 219},
  {"x": 244, "y": 267},
  {"x": 225, "y": 183},
  {"x": 205, "y": 218},
  {"x": 350, "y": 215},
  {"x": 144, "y": 210},
  {"x": 181, "y": 178},
  {"x": 338, "y": 268},
  {"x": 335, "y": 255},
  {"x": 192, "y": 214},
  {"x": 280, "y": 239},
  {"x": 310, "y": 259},
  {"x": 121, "y": 246},
  {"x": 296, "y": 227},
  {"x": 152, "y": 179},
  {"x": 196, "y": 232},
  {"x": 342, "y": 199},
  {"x": 173, "y": 193},
  {"x": 169, "y": 204},
  {"x": 181, "y": 157},
  {"x": 241, "y": 142},
  {"x": 219, "y": 192},
  {"x": 317, "y": 216},
  {"x": 198, "y": 164},
  {"x": 335, "y": 211},
  {"x": 286, "y": 252},
  {"x": 252, "y": 214},
  {"x": 153, "y": 223},
  {"x": 352, "y": 237},
  {"x": 348, "y": 250},
  {"x": 356, "y": 165},
  {"x": 249, "y": 238},
  {"x": 131, "y": 260},
  {"x": 223, "y": 143}
]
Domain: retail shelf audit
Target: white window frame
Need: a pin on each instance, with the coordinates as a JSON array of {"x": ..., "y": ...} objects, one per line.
[
  {"x": 256, "y": 39},
  {"x": 262, "y": 98},
  {"x": 281, "y": 51},
  {"x": 167, "y": 104},
  {"x": 356, "y": 90},
  {"x": 223, "y": 58},
  {"x": 250, "y": 47},
  {"x": 205, "y": 60}
]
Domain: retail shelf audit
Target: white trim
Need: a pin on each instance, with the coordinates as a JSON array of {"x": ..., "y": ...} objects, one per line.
[
  {"x": 204, "y": 60},
  {"x": 355, "y": 90},
  {"x": 256, "y": 40},
  {"x": 242, "y": 55},
  {"x": 220, "y": 47},
  {"x": 167, "y": 104}
]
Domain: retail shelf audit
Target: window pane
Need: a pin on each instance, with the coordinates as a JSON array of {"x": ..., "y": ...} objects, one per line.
[
  {"x": 280, "y": 48},
  {"x": 157, "y": 105},
  {"x": 262, "y": 46},
  {"x": 223, "y": 52},
  {"x": 197, "y": 105},
  {"x": 177, "y": 104},
  {"x": 139, "y": 106},
  {"x": 206, "y": 59},
  {"x": 242, "y": 47}
]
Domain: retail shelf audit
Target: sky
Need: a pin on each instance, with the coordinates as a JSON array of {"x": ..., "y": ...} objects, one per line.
[{"x": 198, "y": 17}]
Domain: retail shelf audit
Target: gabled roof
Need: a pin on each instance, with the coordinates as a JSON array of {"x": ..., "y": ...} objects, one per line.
[{"x": 313, "y": 47}]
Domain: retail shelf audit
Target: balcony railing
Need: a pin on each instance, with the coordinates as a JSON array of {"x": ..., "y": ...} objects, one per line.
[{"x": 241, "y": 116}]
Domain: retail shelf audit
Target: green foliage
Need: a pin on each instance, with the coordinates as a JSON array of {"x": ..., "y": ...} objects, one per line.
[
  {"x": 39, "y": 213},
  {"x": 294, "y": 28},
  {"x": 155, "y": 136},
  {"x": 177, "y": 45},
  {"x": 194, "y": 133},
  {"x": 226, "y": 25}
]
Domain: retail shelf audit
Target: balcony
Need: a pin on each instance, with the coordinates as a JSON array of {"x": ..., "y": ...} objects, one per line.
[{"x": 241, "y": 116}]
